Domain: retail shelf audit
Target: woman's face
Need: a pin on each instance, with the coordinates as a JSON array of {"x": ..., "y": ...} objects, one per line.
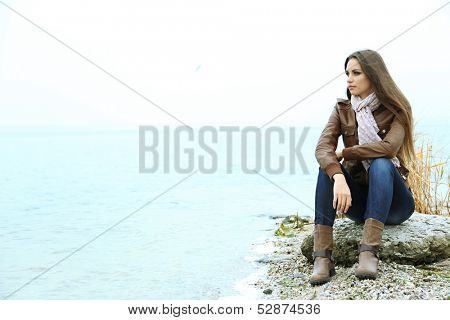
[{"x": 358, "y": 84}]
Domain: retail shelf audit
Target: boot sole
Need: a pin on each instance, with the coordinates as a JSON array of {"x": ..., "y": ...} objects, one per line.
[
  {"x": 366, "y": 276},
  {"x": 317, "y": 282}
]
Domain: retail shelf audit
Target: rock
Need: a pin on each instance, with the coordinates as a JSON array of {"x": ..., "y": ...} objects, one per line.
[
  {"x": 292, "y": 219},
  {"x": 275, "y": 217},
  {"x": 267, "y": 291},
  {"x": 422, "y": 239},
  {"x": 273, "y": 258}
]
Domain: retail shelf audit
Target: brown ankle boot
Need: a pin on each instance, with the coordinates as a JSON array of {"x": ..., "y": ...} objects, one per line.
[
  {"x": 368, "y": 249},
  {"x": 323, "y": 262}
]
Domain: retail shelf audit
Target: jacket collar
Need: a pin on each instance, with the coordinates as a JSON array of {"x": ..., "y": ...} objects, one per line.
[{"x": 343, "y": 101}]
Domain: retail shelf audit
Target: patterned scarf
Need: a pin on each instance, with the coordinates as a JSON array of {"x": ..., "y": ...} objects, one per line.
[{"x": 367, "y": 127}]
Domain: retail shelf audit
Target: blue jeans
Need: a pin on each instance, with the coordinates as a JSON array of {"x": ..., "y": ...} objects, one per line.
[{"x": 385, "y": 199}]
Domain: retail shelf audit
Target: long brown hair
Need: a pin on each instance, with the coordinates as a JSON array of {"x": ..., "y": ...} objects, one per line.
[{"x": 388, "y": 94}]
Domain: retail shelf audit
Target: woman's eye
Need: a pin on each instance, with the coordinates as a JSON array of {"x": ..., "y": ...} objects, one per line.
[{"x": 356, "y": 73}]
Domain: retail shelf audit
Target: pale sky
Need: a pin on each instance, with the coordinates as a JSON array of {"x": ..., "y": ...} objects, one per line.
[{"x": 211, "y": 62}]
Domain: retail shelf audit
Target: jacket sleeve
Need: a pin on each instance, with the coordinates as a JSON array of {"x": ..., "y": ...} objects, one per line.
[
  {"x": 327, "y": 144},
  {"x": 388, "y": 147}
]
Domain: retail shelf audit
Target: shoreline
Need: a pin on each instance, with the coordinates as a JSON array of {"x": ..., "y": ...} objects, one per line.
[
  {"x": 288, "y": 273},
  {"x": 246, "y": 287}
]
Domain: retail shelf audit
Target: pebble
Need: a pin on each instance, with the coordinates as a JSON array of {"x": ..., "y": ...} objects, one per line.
[{"x": 268, "y": 291}]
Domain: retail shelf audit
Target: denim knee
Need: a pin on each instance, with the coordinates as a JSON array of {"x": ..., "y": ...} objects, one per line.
[
  {"x": 398, "y": 219},
  {"x": 381, "y": 164},
  {"x": 323, "y": 174}
]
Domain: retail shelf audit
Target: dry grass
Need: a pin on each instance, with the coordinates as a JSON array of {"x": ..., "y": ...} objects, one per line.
[{"x": 429, "y": 180}]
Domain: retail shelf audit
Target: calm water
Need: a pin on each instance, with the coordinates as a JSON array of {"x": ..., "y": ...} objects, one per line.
[{"x": 61, "y": 189}]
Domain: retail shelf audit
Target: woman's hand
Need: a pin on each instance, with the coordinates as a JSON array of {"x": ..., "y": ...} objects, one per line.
[
  {"x": 339, "y": 155},
  {"x": 342, "y": 198}
]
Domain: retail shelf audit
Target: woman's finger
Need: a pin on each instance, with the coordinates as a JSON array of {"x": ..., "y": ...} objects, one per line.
[
  {"x": 334, "y": 201},
  {"x": 348, "y": 203},
  {"x": 341, "y": 203}
]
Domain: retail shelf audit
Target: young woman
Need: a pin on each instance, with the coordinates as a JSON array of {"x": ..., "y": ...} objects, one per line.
[{"x": 370, "y": 186}]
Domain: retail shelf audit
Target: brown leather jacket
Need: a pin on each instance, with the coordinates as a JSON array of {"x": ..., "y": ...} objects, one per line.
[{"x": 343, "y": 122}]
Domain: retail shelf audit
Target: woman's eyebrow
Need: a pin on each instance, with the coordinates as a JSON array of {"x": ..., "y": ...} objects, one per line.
[{"x": 356, "y": 69}]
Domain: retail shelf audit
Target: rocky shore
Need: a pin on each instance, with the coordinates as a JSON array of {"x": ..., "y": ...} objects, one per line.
[{"x": 400, "y": 276}]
